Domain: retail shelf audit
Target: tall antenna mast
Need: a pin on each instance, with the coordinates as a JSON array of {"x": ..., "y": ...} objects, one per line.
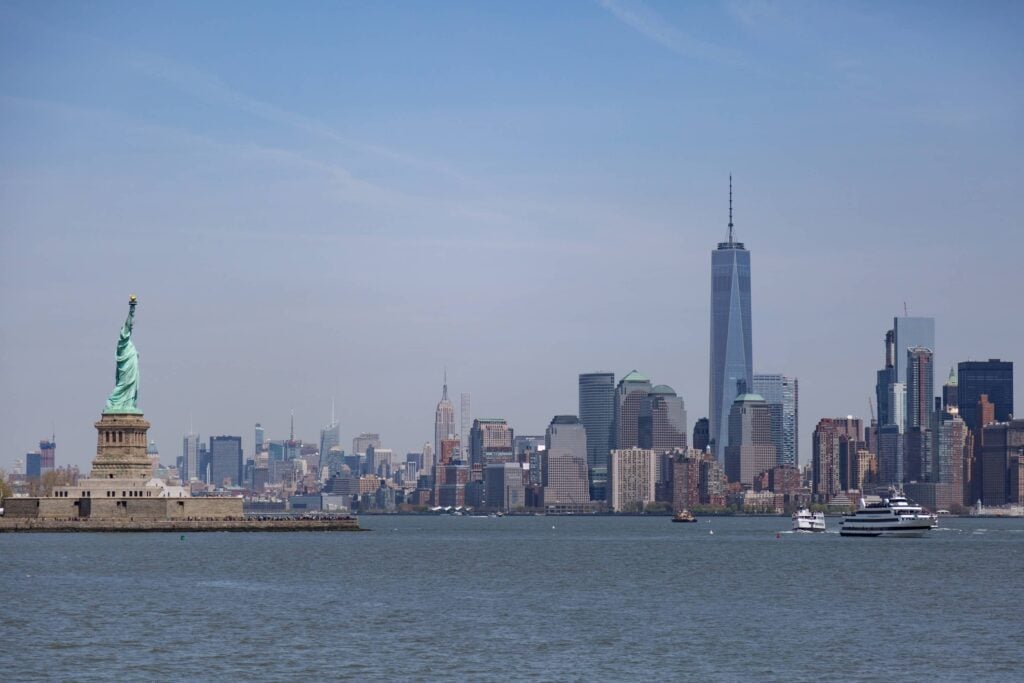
[
  {"x": 292, "y": 434},
  {"x": 730, "y": 208}
]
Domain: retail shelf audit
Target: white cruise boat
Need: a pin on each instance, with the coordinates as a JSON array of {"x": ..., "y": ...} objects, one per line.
[
  {"x": 805, "y": 520},
  {"x": 892, "y": 517}
]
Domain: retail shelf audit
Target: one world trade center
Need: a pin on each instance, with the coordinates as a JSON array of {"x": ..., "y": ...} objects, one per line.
[{"x": 731, "y": 357}]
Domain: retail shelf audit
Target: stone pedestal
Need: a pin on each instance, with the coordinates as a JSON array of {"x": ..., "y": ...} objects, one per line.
[{"x": 121, "y": 448}]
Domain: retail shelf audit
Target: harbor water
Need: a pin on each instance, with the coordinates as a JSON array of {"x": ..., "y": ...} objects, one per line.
[{"x": 538, "y": 598}]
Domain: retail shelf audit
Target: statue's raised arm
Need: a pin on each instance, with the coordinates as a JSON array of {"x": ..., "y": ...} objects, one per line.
[{"x": 126, "y": 390}]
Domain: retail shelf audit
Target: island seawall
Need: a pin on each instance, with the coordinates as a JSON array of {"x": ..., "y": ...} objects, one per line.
[{"x": 24, "y": 525}]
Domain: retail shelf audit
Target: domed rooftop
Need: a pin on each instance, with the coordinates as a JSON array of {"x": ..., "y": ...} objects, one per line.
[
  {"x": 662, "y": 390},
  {"x": 635, "y": 377}
]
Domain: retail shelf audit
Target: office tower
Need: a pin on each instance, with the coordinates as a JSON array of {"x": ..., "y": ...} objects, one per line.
[
  {"x": 784, "y": 392},
  {"x": 920, "y": 405},
  {"x": 851, "y": 446},
  {"x": 564, "y": 463},
  {"x": 567, "y": 434},
  {"x": 203, "y": 459},
  {"x": 47, "y": 455},
  {"x": 994, "y": 378},
  {"x": 920, "y": 390},
  {"x": 731, "y": 350},
  {"x": 524, "y": 443},
  {"x": 662, "y": 420},
  {"x": 825, "y": 460},
  {"x": 490, "y": 442},
  {"x": 364, "y": 441},
  {"x": 33, "y": 465},
  {"x": 379, "y": 461},
  {"x": 444, "y": 417},
  {"x": 701, "y": 434},
  {"x": 898, "y": 405},
  {"x": 466, "y": 422},
  {"x": 416, "y": 459},
  {"x": 450, "y": 481},
  {"x": 451, "y": 451},
  {"x": 504, "y": 486},
  {"x": 950, "y": 390},
  {"x": 629, "y": 395},
  {"x": 260, "y": 439},
  {"x": 632, "y": 476},
  {"x": 911, "y": 332},
  {"x": 225, "y": 457},
  {"x": 884, "y": 379},
  {"x": 750, "y": 450},
  {"x": 890, "y": 455},
  {"x": 330, "y": 437},
  {"x": 1016, "y": 492},
  {"x": 1004, "y": 441},
  {"x": 597, "y": 413},
  {"x": 712, "y": 481},
  {"x": 984, "y": 414},
  {"x": 686, "y": 479},
  {"x": 190, "y": 458},
  {"x": 951, "y": 454}
]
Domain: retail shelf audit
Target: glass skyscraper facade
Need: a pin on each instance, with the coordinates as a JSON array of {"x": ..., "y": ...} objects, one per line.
[
  {"x": 731, "y": 345},
  {"x": 597, "y": 413},
  {"x": 783, "y": 392},
  {"x": 910, "y": 333},
  {"x": 225, "y": 460},
  {"x": 994, "y": 378}
]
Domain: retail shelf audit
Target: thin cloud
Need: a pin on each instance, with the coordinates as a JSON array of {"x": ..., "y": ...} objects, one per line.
[
  {"x": 211, "y": 88},
  {"x": 641, "y": 18}
]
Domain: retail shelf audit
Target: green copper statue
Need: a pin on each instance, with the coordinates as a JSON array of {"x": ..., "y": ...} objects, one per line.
[{"x": 126, "y": 392}]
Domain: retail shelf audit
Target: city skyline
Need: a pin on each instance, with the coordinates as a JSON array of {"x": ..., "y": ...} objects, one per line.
[{"x": 351, "y": 232}]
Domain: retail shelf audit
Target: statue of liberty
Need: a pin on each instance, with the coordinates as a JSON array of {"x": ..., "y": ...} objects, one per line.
[{"x": 126, "y": 391}]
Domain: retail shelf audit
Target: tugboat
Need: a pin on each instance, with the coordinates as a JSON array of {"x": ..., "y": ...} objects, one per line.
[
  {"x": 684, "y": 516},
  {"x": 805, "y": 520}
]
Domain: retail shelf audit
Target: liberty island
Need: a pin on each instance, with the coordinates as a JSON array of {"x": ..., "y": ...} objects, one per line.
[{"x": 121, "y": 493}]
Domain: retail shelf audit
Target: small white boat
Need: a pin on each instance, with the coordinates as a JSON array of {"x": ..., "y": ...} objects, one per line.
[{"x": 805, "y": 520}]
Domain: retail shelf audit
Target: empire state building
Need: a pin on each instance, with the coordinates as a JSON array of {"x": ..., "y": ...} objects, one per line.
[
  {"x": 731, "y": 356},
  {"x": 444, "y": 420}
]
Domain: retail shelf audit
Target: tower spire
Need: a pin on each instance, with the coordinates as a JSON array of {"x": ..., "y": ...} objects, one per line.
[
  {"x": 730, "y": 208},
  {"x": 444, "y": 391},
  {"x": 291, "y": 433}
]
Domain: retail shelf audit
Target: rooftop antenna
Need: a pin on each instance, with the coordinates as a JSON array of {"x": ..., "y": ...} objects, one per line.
[
  {"x": 905, "y": 314},
  {"x": 292, "y": 436},
  {"x": 444, "y": 392},
  {"x": 332, "y": 411},
  {"x": 730, "y": 208}
]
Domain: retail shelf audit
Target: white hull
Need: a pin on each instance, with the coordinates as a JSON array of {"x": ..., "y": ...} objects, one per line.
[
  {"x": 803, "y": 520},
  {"x": 903, "y": 532}
]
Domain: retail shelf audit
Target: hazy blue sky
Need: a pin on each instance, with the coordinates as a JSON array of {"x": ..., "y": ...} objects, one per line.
[{"x": 339, "y": 199}]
